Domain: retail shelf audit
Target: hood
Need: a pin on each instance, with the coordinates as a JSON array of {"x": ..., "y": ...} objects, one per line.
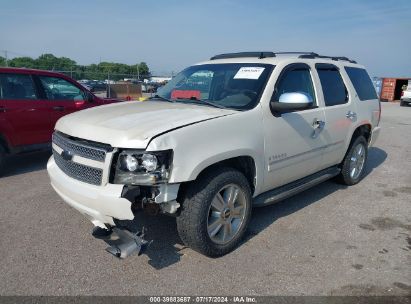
[{"x": 133, "y": 124}]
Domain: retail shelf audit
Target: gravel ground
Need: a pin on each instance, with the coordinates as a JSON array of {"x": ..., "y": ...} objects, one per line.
[{"x": 329, "y": 240}]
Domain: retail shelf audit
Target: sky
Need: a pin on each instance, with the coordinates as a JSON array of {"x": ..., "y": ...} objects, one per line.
[{"x": 169, "y": 35}]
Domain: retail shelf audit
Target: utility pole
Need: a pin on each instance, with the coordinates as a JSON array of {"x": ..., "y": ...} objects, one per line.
[
  {"x": 5, "y": 56},
  {"x": 108, "y": 83},
  {"x": 138, "y": 71}
]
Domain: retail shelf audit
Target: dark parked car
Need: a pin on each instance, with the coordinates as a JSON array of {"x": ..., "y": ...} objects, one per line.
[
  {"x": 31, "y": 102},
  {"x": 97, "y": 86}
]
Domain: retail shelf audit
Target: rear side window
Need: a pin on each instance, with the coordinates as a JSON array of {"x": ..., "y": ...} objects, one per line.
[
  {"x": 362, "y": 83},
  {"x": 334, "y": 90},
  {"x": 16, "y": 86}
]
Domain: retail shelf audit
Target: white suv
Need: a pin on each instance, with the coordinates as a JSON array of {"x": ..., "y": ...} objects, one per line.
[{"x": 224, "y": 135}]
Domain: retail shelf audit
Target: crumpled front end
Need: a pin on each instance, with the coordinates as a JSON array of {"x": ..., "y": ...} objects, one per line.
[
  {"x": 82, "y": 173},
  {"x": 79, "y": 173}
]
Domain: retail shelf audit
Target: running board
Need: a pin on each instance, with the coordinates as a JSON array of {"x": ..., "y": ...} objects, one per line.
[{"x": 283, "y": 192}]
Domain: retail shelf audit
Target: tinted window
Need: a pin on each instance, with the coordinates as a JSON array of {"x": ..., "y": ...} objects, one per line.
[
  {"x": 333, "y": 86},
  {"x": 362, "y": 83},
  {"x": 60, "y": 89},
  {"x": 16, "y": 86},
  {"x": 296, "y": 80}
]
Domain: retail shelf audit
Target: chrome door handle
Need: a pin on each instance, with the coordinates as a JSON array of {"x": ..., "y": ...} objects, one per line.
[
  {"x": 58, "y": 108},
  {"x": 351, "y": 115},
  {"x": 3, "y": 109},
  {"x": 318, "y": 124}
]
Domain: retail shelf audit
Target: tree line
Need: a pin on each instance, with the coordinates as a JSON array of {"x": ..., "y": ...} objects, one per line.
[{"x": 100, "y": 71}]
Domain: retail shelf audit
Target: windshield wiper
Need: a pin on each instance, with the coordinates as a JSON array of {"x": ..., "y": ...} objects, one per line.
[
  {"x": 161, "y": 98},
  {"x": 195, "y": 100},
  {"x": 191, "y": 100}
]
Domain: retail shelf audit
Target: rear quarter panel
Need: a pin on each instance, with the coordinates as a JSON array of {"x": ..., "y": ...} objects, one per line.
[{"x": 368, "y": 111}]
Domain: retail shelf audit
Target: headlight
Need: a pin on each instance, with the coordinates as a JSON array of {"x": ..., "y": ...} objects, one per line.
[
  {"x": 134, "y": 167},
  {"x": 130, "y": 163},
  {"x": 149, "y": 162}
]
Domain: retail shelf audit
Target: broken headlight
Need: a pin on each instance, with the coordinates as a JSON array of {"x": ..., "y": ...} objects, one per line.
[{"x": 136, "y": 167}]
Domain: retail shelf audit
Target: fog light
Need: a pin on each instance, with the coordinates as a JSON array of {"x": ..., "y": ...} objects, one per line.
[{"x": 149, "y": 162}]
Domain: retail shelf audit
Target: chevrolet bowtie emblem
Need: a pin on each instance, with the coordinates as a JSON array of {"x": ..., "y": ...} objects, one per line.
[{"x": 67, "y": 155}]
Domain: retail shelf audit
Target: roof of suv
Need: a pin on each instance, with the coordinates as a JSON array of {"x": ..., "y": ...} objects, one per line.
[{"x": 275, "y": 58}]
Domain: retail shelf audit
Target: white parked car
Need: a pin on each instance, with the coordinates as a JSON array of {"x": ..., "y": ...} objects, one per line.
[
  {"x": 406, "y": 97},
  {"x": 237, "y": 131}
]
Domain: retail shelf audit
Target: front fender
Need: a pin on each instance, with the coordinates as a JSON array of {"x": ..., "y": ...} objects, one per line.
[
  {"x": 203, "y": 144},
  {"x": 211, "y": 160}
]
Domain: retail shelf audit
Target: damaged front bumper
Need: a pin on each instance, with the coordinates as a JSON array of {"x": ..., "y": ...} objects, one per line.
[{"x": 103, "y": 204}]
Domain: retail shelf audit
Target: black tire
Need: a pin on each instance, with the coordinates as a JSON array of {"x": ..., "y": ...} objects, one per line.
[
  {"x": 345, "y": 176},
  {"x": 192, "y": 223},
  {"x": 402, "y": 103},
  {"x": 2, "y": 157}
]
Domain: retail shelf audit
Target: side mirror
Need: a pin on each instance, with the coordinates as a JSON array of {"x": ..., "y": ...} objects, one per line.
[{"x": 292, "y": 101}]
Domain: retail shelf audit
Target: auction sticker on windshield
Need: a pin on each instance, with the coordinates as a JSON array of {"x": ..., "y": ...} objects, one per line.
[{"x": 249, "y": 73}]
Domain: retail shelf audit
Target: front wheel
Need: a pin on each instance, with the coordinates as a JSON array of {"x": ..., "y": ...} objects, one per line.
[
  {"x": 352, "y": 167},
  {"x": 215, "y": 212},
  {"x": 2, "y": 157}
]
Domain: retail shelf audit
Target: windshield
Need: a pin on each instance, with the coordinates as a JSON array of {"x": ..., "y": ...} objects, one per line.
[{"x": 233, "y": 85}]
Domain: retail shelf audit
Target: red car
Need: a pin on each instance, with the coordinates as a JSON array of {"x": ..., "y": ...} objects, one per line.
[{"x": 31, "y": 101}]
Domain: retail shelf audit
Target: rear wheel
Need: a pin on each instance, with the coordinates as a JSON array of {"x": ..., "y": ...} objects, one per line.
[
  {"x": 215, "y": 212},
  {"x": 402, "y": 103},
  {"x": 352, "y": 167}
]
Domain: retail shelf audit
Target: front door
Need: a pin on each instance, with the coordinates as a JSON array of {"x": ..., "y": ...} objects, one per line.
[
  {"x": 293, "y": 141},
  {"x": 25, "y": 116},
  {"x": 63, "y": 97}
]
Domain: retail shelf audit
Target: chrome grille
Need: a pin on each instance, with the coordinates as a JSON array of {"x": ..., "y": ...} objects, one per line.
[
  {"x": 85, "y": 150},
  {"x": 72, "y": 155},
  {"x": 78, "y": 171}
]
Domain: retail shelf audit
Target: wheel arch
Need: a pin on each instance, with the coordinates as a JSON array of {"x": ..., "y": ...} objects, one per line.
[
  {"x": 364, "y": 130},
  {"x": 243, "y": 163}
]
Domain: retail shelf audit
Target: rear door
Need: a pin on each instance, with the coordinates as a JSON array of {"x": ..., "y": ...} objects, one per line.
[
  {"x": 62, "y": 97},
  {"x": 25, "y": 119},
  {"x": 340, "y": 112}
]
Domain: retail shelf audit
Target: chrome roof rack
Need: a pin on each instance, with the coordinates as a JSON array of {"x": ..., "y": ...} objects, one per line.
[
  {"x": 260, "y": 55},
  {"x": 336, "y": 58}
]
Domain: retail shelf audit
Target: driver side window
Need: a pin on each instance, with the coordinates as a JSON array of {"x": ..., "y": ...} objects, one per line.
[
  {"x": 60, "y": 89},
  {"x": 297, "y": 80}
]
